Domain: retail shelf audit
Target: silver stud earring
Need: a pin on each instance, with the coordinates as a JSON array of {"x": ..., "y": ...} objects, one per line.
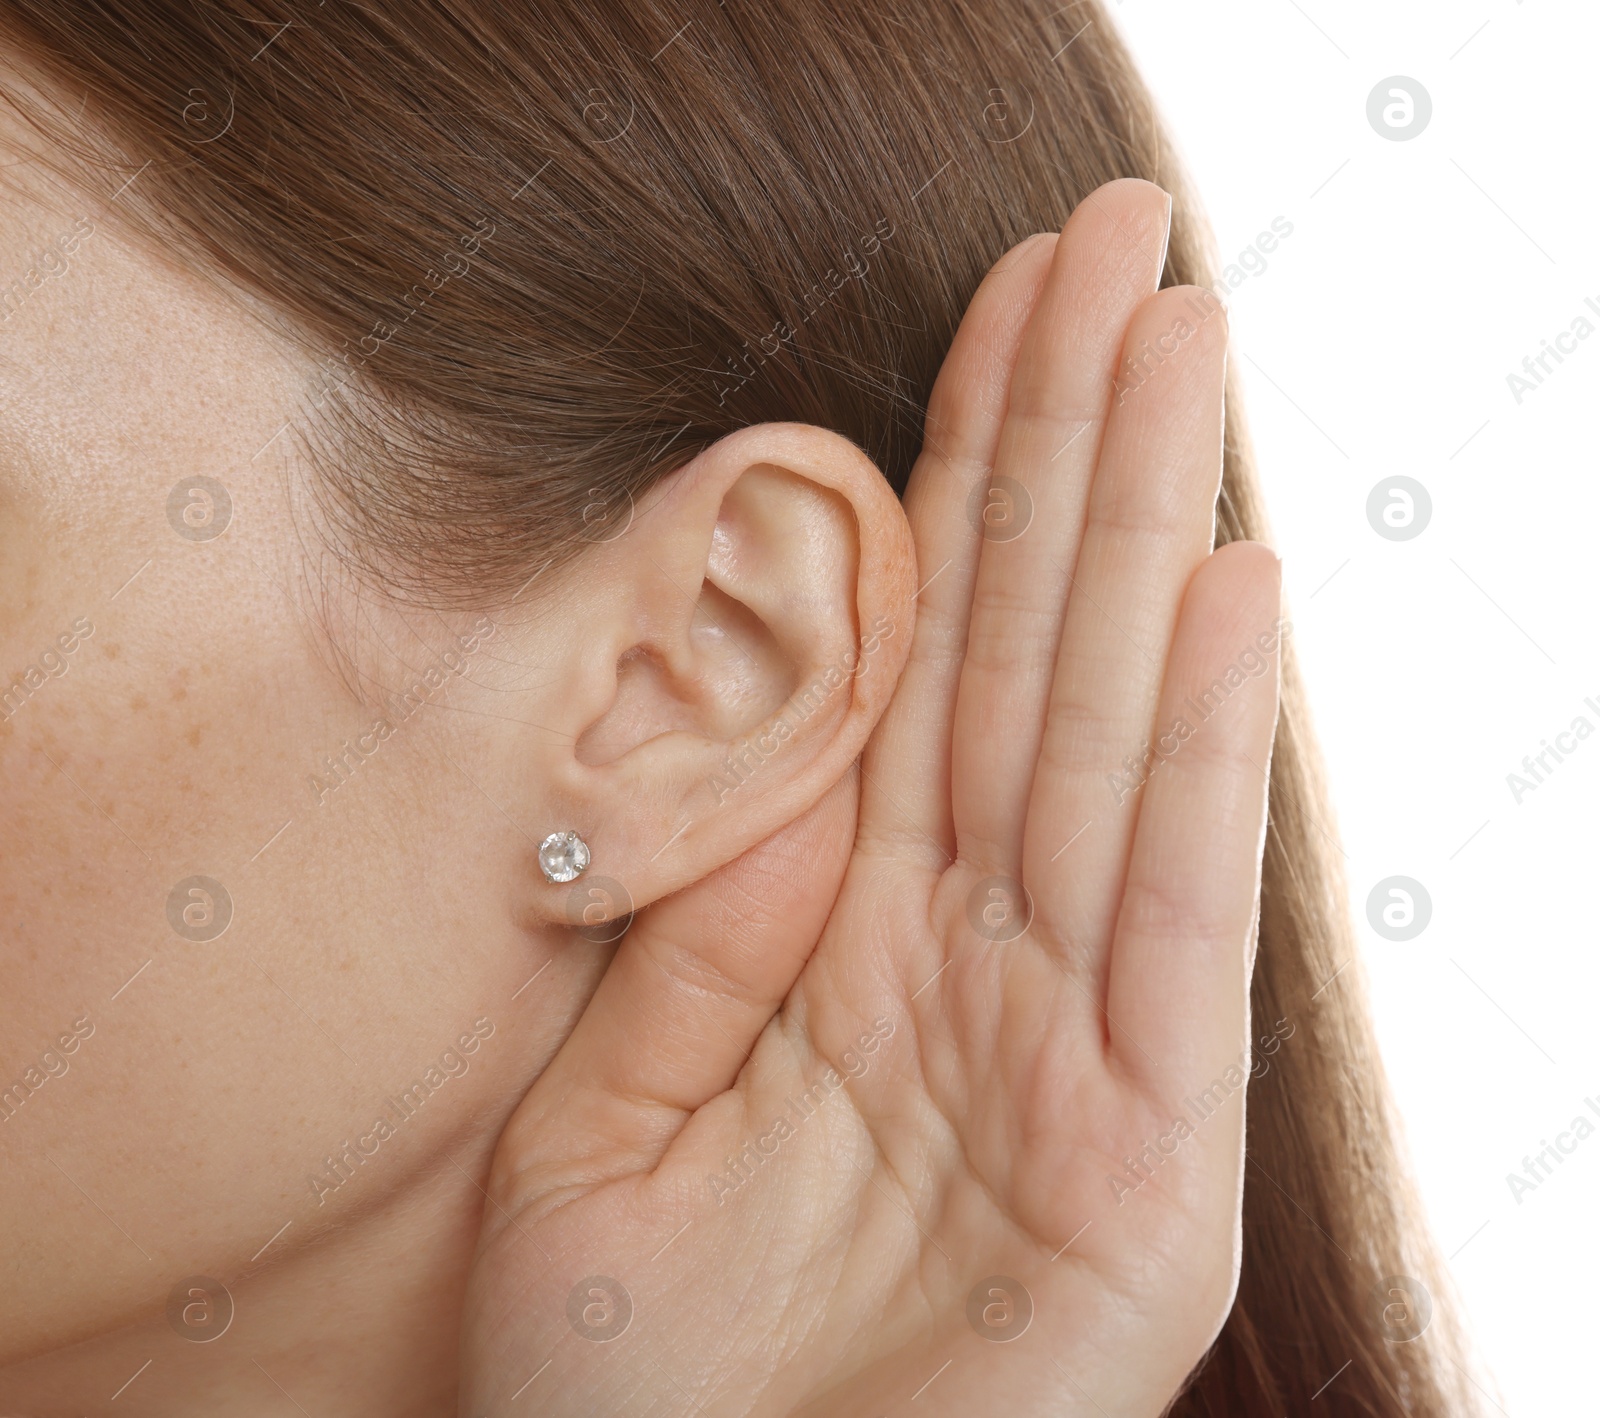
[{"x": 563, "y": 856}]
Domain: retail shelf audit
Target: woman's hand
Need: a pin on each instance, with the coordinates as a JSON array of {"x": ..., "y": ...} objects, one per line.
[{"x": 963, "y": 1132}]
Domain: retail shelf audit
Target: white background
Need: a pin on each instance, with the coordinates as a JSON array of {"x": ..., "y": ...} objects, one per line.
[{"x": 1378, "y": 342}]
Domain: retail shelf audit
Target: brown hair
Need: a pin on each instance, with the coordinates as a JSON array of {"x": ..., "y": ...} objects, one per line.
[{"x": 543, "y": 255}]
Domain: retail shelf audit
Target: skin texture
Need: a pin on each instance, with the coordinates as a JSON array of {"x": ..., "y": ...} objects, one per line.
[
  {"x": 375, "y": 922},
  {"x": 388, "y": 918},
  {"x": 970, "y": 1088}
]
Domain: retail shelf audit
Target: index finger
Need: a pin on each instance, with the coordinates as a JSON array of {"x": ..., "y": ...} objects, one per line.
[{"x": 905, "y": 796}]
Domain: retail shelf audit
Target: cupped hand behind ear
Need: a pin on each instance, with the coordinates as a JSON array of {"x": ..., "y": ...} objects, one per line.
[{"x": 962, "y": 1130}]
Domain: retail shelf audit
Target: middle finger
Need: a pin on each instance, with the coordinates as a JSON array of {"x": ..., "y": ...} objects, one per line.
[{"x": 1108, "y": 260}]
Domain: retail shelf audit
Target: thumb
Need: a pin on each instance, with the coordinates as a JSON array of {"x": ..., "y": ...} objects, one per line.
[{"x": 696, "y": 979}]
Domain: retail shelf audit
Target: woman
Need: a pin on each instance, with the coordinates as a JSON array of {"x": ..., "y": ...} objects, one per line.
[{"x": 451, "y": 472}]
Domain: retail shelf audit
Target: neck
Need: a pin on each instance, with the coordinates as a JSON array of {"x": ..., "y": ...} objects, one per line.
[{"x": 360, "y": 1322}]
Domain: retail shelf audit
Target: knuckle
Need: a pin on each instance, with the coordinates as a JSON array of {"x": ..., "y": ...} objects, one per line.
[
  {"x": 1163, "y": 913},
  {"x": 1080, "y": 738}
]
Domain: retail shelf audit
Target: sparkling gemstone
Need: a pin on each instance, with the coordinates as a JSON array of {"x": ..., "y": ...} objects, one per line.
[{"x": 563, "y": 856}]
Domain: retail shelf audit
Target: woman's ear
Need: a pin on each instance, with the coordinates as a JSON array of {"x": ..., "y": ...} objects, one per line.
[{"x": 715, "y": 667}]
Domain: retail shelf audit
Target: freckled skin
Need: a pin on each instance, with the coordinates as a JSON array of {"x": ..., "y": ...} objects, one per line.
[
  {"x": 177, "y": 743},
  {"x": 277, "y": 918}
]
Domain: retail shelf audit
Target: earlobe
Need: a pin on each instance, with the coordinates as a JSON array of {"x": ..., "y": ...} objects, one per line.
[{"x": 742, "y": 640}]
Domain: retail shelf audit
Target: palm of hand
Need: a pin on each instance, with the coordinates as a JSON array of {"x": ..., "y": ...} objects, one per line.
[{"x": 951, "y": 1170}]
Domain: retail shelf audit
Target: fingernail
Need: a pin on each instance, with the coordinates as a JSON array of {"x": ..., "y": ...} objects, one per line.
[{"x": 1166, "y": 239}]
